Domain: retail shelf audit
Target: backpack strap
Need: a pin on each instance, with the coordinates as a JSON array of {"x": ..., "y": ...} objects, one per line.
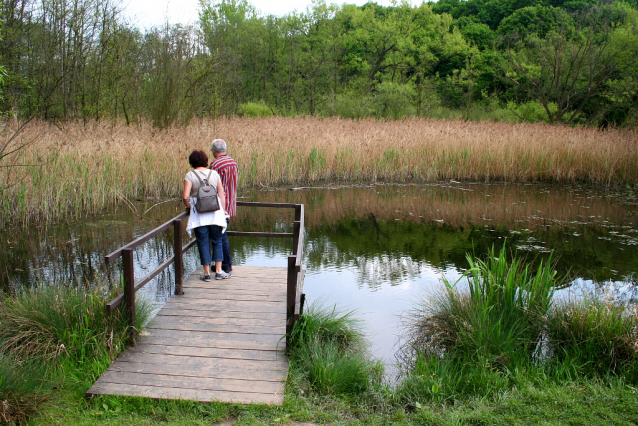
[{"x": 207, "y": 179}]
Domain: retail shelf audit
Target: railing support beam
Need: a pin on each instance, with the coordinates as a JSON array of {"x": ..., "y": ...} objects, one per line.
[
  {"x": 291, "y": 293},
  {"x": 129, "y": 286},
  {"x": 177, "y": 248}
]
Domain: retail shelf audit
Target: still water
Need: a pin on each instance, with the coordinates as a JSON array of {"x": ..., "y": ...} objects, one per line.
[{"x": 375, "y": 250}]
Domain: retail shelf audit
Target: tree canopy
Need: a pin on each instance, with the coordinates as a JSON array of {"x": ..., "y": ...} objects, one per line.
[{"x": 554, "y": 60}]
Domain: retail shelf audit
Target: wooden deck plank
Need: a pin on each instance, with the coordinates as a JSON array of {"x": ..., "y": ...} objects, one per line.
[
  {"x": 212, "y": 371},
  {"x": 195, "y": 351},
  {"x": 227, "y": 314},
  {"x": 260, "y": 322},
  {"x": 171, "y": 323},
  {"x": 247, "y": 290},
  {"x": 186, "y": 394},
  {"x": 203, "y": 383},
  {"x": 230, "y": 305},
  {"x": 205, "y": 363},
  {"x": 209, "y": 343},
  {"x": 222, "y": 340}
]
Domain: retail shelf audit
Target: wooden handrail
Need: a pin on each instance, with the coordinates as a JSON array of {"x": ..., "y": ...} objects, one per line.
[
  {"x": 295, "y": 278},
  {"x": 143, "y": 239}
]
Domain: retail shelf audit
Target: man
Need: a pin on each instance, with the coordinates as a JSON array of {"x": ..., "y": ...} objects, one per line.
[{"x": 226, "y": 167}]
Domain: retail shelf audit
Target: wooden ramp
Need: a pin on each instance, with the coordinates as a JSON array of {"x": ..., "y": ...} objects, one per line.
[{"x": 222, "y": 340}]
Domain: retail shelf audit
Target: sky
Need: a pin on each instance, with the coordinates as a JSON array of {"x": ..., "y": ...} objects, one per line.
[{"x": 147, "y": 13}]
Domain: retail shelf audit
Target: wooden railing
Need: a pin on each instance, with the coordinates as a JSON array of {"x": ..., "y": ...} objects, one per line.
[{"x": 294, "y": 299}]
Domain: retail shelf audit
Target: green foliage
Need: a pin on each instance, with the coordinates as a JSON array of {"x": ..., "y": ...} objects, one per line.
[
  {"x": 538, "y": 20},
  {"x": 326, "y": 325},
  {"x": 256, "y": 109},
  {"x": 532, "y": 111},
  {"x": 85, "y": 61},
  {"x": 597, "y": 336},
  {"x": 501, "y": 330},
  {"x": 23, "y": 389},
  {"x": 394, "y": 100},
  {"x": 63, "y": 323},
  {"x": 326, "y": 351},
  {"x": 491, "y": 316},
  {"x": 51, "y": 334}
]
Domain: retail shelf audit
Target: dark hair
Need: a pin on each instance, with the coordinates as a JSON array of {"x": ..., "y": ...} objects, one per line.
[{"x": 198, "y": 158}]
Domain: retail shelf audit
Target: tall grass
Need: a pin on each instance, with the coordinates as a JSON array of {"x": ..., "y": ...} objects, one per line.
[
  {"x": 50, "y": 322},
  {"x": 476, "y": 336},
  {"x": 52, "y": 332},
  {"x": 498, "y": 328},
  {"x": 23, "y": 389},
  {"x": 598, "y": 337},
  {"x": 327, "y": 354},
  {"x": 492, "y": 315},
  {"x": 86, "y": 167}
]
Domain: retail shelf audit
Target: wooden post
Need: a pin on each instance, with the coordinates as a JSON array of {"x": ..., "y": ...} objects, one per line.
[
  {"x": 291, "y": 293},
  {"x": 177, "y": 248},
  {"x": 295, "y": 237},
  {"x": 298, "y": 209},
  {"x": 129, "y": 285}
]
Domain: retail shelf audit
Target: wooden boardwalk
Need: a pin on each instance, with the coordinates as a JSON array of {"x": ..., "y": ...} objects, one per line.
[{"x": 220, "y": 341}]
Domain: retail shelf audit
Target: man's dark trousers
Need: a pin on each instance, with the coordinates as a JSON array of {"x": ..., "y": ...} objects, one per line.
[{"x": 228, "y": 260}]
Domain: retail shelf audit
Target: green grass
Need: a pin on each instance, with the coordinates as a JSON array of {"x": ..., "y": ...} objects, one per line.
[
  {"x": 491, "y": 317},
  {"x": 497, "y": 331},
  {"x": 571, "y": 403},
  {"x": 598, "y": 336},
  {"x": 333, "y": 381},
  {"x": 23, "y": 389},
  {"x": 55, "y": 337},
  {"x": 328, "y": 356}
]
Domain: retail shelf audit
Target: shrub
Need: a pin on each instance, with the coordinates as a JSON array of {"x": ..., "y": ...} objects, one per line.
[
  {"x": 256, "y": 109},
  {"x": 50, "y": 322},
  {"x": 479, "y": 335},
  {"x": 494, "y": 318},
  {"x": 326, "y": 351},
  {"x": 327, "y": 326},
  {"x": 596, "y": 336}
]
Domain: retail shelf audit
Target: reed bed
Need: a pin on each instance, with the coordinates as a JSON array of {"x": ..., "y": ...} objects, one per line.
[
  {"x": 500, "y": 327},
  {"x": 81, "y": 168}
]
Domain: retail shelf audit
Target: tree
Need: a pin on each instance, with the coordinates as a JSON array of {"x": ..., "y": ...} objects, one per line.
[{"x": 560, "y": 70}]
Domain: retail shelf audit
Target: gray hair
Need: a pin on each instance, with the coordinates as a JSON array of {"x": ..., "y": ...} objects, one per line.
[{"x": 219, "y": 145}]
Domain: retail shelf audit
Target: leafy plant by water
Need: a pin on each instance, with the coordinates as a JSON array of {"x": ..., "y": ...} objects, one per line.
[
  {"x": 477, "y": 335},
  {"x": 52, "y": 321},
  {"x": 597, "y": 337},
  {"x": 327, "y": 353},
  {"x": 491, "y": 315},
  {"x": 52, "y": 331}
]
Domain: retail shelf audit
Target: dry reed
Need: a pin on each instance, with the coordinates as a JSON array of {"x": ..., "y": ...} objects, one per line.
[{"x": 87, "y": 167}]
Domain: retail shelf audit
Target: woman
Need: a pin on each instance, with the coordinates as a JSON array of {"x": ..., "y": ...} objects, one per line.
[{"x": 208, "y": 227}]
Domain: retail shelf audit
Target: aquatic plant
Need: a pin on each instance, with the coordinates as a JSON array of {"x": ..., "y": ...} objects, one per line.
[
  {"x": 327, "y": 353},
  {"x": 481, "y": 334},
  {"x": 51, "y": 332},
  {"x": 492, "y": 314},
  {"x": 85, "y": 167},
  {"x": 53, "y": 323},
  {"x": 595, "y": 337}
]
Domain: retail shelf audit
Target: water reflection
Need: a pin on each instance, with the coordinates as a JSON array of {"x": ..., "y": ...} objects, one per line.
[{"x": 375, "y": 249}]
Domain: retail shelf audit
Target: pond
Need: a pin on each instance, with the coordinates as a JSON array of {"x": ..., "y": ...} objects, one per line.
[{"x": 375, "y": 250}]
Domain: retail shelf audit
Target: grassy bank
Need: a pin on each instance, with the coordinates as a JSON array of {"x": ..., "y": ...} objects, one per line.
[
  {"x": 501, "y": 328},
  {"x": 54, "y": 342},
  {"x": 83, "y": 168},
  {"x": 474, "y": 358}
]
